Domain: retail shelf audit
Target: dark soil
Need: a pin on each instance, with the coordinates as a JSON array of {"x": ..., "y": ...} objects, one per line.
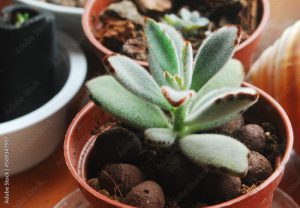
[
  {"x": 174, "y": 180},
  {"x": 122, "y": 32}
]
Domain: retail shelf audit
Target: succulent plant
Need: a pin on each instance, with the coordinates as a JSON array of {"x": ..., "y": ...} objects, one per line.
[
  {"x": 183, "y": 98},
  {"x": 187, "y": 22},
  {"x": 21, "y": 18}
]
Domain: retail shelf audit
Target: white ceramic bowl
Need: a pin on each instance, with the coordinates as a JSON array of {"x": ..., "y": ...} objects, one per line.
[
  {"x": 33, "y": 137},
  {"x": 68, "y": 19}
]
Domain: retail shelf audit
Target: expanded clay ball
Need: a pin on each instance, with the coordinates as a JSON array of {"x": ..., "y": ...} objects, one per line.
[
  {"x": 218, "y": 187},
  {"x": 231, "y": 126},
  {"x": 146, "y": 195},
  {"x": 119, "y": 178},
  {"x": 259, "y": 169},
  {"x": 253, "y": 136},
  {"x": 177, "y": 173}
]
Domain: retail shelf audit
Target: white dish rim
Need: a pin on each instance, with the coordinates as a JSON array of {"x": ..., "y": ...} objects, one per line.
[{"x": 53, "y": 7}]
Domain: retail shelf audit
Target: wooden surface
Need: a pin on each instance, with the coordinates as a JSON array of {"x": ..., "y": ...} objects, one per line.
[{"x": 44, "y": 185}]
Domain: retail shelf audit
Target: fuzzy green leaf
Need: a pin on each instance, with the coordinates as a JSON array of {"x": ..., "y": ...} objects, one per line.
[
  {"x": 231, "y": 75},
  {"x": 175, "y": 36},
  {"x": 136, "y": 79},
  {"x": 219, "y": 106},
  {"x": 216, "y": 152},
  {"x": 187, "y": 21},
  {"x": 193, "y": 19},
  {"x": 125, "y": 106},
  {"x": 175, "y": 97},
  {"x": 155, "y": 69},
  {"x": 162, "y": 47},
  {"x": 185, "y": 14},
  {"x": 215, "y": 51},
  {"x": 170, "y": 79},
  {"x": 160, "y": 137},
  {"x": 187, "y": 60},
  {"x": 174, "y": 20}
]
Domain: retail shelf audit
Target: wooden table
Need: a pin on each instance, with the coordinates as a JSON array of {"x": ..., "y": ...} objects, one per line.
[{"x": 47, "y": 183}]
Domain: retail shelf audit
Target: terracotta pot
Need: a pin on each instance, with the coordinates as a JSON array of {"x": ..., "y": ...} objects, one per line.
[
  {"x": 79, "y": 141},
  {"x": 244, "y": 51},
  {"x": 3, "y": 3}
]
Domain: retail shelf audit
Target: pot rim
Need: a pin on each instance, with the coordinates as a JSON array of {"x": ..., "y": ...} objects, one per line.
[
  {"x": 271, "y": 101},
  {"x": 89, "y": 34},
  {"x": 53, "y": 7},
  {"x": 38, "y": 17},
  {"x": 76, "y": 77}
]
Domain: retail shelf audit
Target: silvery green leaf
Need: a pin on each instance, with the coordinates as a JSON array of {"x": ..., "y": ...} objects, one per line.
[
  {"x": 175, "y": 97},
  {"x": 125, "y": 106},
  {"x": 187, "y": 60},
  {"x": 219, "y": 106},
  {"x": 185, "y": 14},
  {"x": 155, "y": 69},
  {"x": 162, "y": 47},
  {"x": 202, "y": 21},
  {"x": 136, "y": 79},
  {"x": 179, "y": 80},
  {"x": 214, "y": 53},
  {"x": 231, "y": 75},
  {"x": 195, "y": 15},
  {"x": 160, "y": 137},
  {"x": 216, "y": 152},
  {"x": 171, "y": 81},
  {"x": 174, "y": 35},
  {"x": 198, "y": 20},
  {"x": 174, "y": 20}
]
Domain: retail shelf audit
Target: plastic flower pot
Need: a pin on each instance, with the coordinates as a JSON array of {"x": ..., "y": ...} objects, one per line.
[
  {"x": 79, "y": 141},
  {"x": 24, "y": 69},
  {"x": 244, "y": 51},
  {"x": 68, "y": 19},
  {"x": 33, "y": 137}
]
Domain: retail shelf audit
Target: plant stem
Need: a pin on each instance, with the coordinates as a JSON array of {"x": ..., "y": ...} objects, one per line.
[{"x": 179, "y": 116}]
